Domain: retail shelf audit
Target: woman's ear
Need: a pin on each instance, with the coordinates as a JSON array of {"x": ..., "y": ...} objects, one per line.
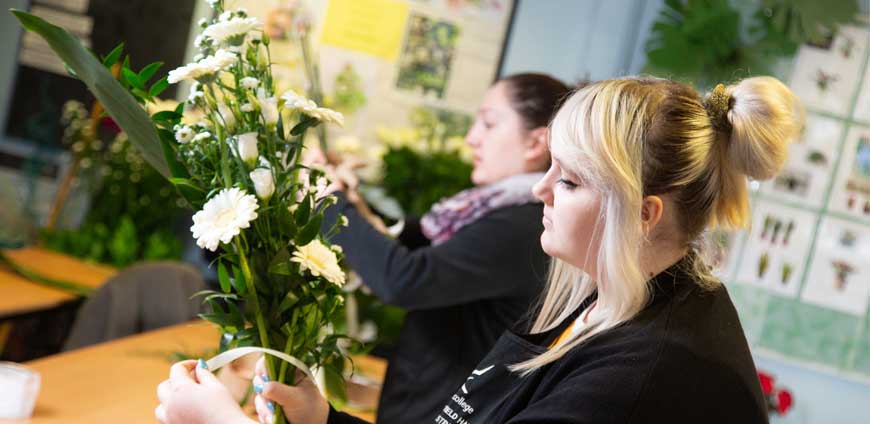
[
  {"x": 537, "y": 150},
  {"x": 651, "y": 213}
]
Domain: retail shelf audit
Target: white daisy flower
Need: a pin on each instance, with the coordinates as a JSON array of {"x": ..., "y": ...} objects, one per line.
[
  {"x": 294, "y": 101},
  {"x": 232, "y": 30},
  {"x": 223, "y": 217},
  {"x": 203, "y": 69},
  {"x": 319, "y": 260},
  {"x": 250, "y": 82},
  {"x": 184, "y": 135},
  {"x": 203, "y": 22}
]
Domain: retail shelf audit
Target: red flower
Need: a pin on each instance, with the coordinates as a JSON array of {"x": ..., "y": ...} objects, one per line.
[
  {"x": 110, "y": 124},
  {"x": 784, "y": 401},
  {"x": 766, "y": 382}
]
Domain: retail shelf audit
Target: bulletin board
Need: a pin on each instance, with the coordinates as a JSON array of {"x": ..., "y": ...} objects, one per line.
[
  {"x": 380, "y": 61},
  {"x": 800, "y": 277}
]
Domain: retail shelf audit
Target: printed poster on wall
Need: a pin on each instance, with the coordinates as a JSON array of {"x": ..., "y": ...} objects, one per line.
[{"x": 386, "y": 63}]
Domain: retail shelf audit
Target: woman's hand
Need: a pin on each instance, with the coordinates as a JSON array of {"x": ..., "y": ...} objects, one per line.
[
  {"x": 302, "y": 404},
  {"x": 193, "y": 395}
]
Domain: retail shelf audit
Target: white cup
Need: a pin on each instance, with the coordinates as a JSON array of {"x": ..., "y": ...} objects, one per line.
[{"x": 19, "y": 387}]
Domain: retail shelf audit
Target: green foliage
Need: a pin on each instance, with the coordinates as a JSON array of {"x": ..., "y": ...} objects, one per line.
[
  {"x": 417, "y": 180},
  {"x": 705, "y": 41}
]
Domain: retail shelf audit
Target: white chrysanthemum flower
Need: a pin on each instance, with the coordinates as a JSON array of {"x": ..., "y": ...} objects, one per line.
[
  {"x": 264, "y": 184},
  {"x": 294, "y": 101},
  {"x": 247, "y": 146},
  {"x": 223, "y": 217},
  {"x": 225, "y": 16},
  {"x": 326, "y": 115},
  {"x": 184, "y": 135},
  {"x": 203, "y": 69},
  {"x": 205, "y": 135},
  {"x": 232, "y": 30},
  {"x": 250, "y": 82},
  {"x": 319, "y": 260},
  {"x": 202, "y": 23}
]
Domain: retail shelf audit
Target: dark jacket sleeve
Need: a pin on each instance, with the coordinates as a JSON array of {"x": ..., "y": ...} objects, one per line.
[
  {"x": 336, "y": 417},
  {"x": 499, "y": 255}
]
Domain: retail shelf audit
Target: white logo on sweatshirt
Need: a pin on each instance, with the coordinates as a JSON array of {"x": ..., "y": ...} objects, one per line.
[{"x": 476, "y": 373}]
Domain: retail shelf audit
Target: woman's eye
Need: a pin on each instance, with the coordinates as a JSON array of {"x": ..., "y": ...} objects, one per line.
[{"x": 567, "y": 184}]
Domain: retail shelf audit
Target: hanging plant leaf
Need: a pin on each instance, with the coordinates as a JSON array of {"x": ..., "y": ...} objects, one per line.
[{"x": 123, "y": 108}]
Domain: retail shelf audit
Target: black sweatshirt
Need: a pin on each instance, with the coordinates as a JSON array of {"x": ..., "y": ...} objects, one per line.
[
  {"x": 460, "y": 296},
  {"x": 683, "y": 359}
]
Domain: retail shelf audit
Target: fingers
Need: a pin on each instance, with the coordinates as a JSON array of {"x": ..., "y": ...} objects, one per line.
[
  {"x": 160, "y": 414},
  {"x": 182, "y": 371},
  {"x": 260, "y": 368},
  {"x": 203, "y": 375},
  {"x": 289, "y": 396},
  {"x": 264, "y": 413},
  {"x": 164, "y": 390}
]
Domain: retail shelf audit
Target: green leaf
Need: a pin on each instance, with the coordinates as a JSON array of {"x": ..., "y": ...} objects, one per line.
[
  {"x": 158, "y": 87},
  {"x": 303, "y": 211},
  {"x": 123, "y": 108},
  {"x": 132, "y": 78},
  {"x": 288, "y": 301},
  {"x": 309, "y": 231},
  {"x": 286, "y": 223},
  {"x": 220, "y": 318},
  {"x": 304, "y": 123},
  {"x": 334, "y": 383},
  {"x": 112, "y": 58},
  {"x": 280, "y": 263},
  {"x": 186, "y": 183},
  {"x": 224, "y": 278},
  {"x": 166, "y": 115},
  {"x": 238, "y": 281},
  {"x": 147, "y": 72}
]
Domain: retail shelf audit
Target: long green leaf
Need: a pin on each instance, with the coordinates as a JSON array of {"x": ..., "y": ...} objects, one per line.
[{"x": 128, "y": 114}]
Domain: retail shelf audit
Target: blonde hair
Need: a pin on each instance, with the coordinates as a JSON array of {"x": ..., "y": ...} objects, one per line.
[{"x": 634, "y": 137}]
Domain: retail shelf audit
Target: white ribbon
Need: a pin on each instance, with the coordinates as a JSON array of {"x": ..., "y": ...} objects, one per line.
[{"x": 231, "y": 355}]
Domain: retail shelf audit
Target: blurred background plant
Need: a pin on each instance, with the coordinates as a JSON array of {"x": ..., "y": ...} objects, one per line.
[
  {"x": 708, "y": 41},
  {"x": 123, "y": 225}
]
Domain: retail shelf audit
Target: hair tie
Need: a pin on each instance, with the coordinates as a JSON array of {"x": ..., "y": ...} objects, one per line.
[{"x": 717, "y": 104}]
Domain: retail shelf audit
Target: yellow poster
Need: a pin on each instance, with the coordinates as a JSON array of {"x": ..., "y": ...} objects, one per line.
[{"x": 373, "y": 27}]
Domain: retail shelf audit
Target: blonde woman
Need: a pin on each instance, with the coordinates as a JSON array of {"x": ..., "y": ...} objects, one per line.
[{"x": 633, "y": 327}]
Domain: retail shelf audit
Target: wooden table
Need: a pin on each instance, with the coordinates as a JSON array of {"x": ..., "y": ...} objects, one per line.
[
  {"x": 116, "y": 382},
  {"x": 19, "y": 295}
]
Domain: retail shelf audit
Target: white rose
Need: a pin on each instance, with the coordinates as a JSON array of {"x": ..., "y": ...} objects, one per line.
[
  {"x": 264, "y": 185},
  {"x": 247, "y": 145},
  {"x": 268, "y": 106},
  {"x": 227, "y": 115}
]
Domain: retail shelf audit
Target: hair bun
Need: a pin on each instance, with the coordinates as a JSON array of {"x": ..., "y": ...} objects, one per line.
[{"x": 764, "y": 116}]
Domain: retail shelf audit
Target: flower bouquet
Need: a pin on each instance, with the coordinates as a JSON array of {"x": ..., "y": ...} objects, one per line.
[{"x": 239, "y": 165}]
